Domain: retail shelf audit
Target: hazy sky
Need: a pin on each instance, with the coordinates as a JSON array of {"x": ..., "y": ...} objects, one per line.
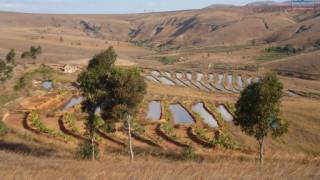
[{"x": 107, "y": 6}]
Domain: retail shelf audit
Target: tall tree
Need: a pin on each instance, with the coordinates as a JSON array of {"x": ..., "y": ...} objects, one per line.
[
  {"x": 126, "y": 89},
  {"x": 6, "y": 66},
  {"x": 258, "y": 110},
  {"x": 10, "y": 58},
  {"x": 90, "y": 84}
]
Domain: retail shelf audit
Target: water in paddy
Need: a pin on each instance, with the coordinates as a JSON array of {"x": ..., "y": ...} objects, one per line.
[
  {"x": 249, "y": 80},
  {"x": 74, "y": 101},
  {"x": 179, "y": 75},
  {"x": 180, "y": 114},
  {"x": 230, "y": 79},
  {"x": 199, "y": 76},
  {"x": 151, "y": 78},
  {"x": 167, "y": 74},
  {"x": 166, "y": 81},
  {"x": 239, "y": 81},
  {"x": 155, "y": 73},
  {"x": 210, "y": 79},
  {"x": 220, "y": 79},
  {"x": 154, "y": 111},
  {"x": 205, "y": 115},
  {"x": 47, "y": 85},
  {"x": 225, "y": 113},
  {"x": 189, "y": 76}
]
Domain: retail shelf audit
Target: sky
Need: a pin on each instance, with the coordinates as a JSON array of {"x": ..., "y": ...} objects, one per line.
[{"x": 108, "y": 6}]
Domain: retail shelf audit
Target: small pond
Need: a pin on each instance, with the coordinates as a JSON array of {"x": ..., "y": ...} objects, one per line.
[
  {"x": 210, "y": 78},
  {"x": 154, "y": 111},
  {"x": 155, "y": 73},
  {"x": 220, "y": 79},
  {"x": 225, "y": 113},
  {"x": 47, "y": 85},
  {"x": 239, "y": 81},
  {"x": 249, "y": 80},
  {"x": 230, "y": 79},
  {"x": 168, "y": 74},
  {"x": 199, "y": 76},
  {"x": 181, "y": 115},
  {"x": 74, "y": 101},
  {"x": 179, "y": 75},
  {"x": 151, "y": 78},
  {"x": 205, "y": 115},
  {"x": 166, "y": 81},
  {"x": 189, "y": 76}
]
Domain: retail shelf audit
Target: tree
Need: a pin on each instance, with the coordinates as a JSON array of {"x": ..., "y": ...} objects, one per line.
[
  {"x": 32, "y": 53},
  {"x": 10, "y": 58},
  {"x": 258, "y": 110},
  {"x": 6, "y": 66},
  {"x": 90, "y": 84},
  {"x": 126, "y": 89},
  {"x": 117, "y": 91}
]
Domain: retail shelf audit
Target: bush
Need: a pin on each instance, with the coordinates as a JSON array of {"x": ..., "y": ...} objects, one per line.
[
  {"x": 188, "y": 154},
  {"x": 85, "y": 151},
  {"x": 108, "y": 127},
  {"x": 288, "y": 49},
  {"x": 226, "y": 141},
  {"x": 200, "y": 132},
  {"x": 168, "y": 60},
  {"x": 70, "y": 120},
  {"x": 36, "y": 123},
  {"x": 3, "y": 129}
]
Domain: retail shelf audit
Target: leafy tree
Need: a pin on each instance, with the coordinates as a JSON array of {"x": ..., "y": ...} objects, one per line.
[
  {"x": 258, "y": 110},
  {"x": 10, "y": 58},
  {"x": 6, "y": 66},
  {"x": 126, "y": 89},
  {"x": 117, "y": 91},
  {"x": 32, "y": 53},
  {"x": 90, "y": 84}
]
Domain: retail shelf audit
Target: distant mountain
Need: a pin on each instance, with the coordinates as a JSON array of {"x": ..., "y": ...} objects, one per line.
[
  {"x": 261, "y": 3},
  {"x": 219, "y": 6}
]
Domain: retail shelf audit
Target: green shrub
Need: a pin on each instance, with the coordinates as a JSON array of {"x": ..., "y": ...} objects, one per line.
[
  {"x": 188, "y": 154},
  {"x": 168, "y": 130},
  {"x": 36, "y": 123},
  {"x": 3, "y": 129},
  {"x": 226, "y": 141},
  {"x": 138, "y": 128},
  {"x": 200, "y": 132},
  {"x": 70, "y": 120},
  {"x": 85, "y": 151},
  {"x": 108, "y": 127},
  {"x": 168, "y": 60}
]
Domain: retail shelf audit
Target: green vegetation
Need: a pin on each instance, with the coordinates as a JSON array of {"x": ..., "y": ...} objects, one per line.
[
  {"x": 3, "y": 129},
  {"x": 188, "y": 154},
  {"x": 33, "y": 53},
  {"x": 118, "y": 91},
  {"x": 85, "y": 151},
  {"x": 258, "y": 110},
  {"x": 6, "y": 66},
  {"x": 168, "y": 130},
  {"x": 226, "y": 141},
  {"x": 70, "y": 120},
  {"x": 43, "y": 72},
  {"x": 278, "y": 52},
  {"x": 167, "y": 60},
  {"x": 36, "y": 123},
  {"x": 201, "y": 133}
]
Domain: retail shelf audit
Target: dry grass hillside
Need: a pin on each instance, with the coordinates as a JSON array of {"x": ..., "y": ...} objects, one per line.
[{"x": 187, "y": 58}]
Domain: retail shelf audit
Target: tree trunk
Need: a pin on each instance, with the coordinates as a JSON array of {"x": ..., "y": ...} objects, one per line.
[
  {"x": 261, "y": 147},
  {"x": 92, "y": 146},
  {"x": 130, "y": 140}
]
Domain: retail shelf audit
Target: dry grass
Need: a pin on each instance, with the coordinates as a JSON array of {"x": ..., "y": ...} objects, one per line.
[{"x": 117, "y": 167}]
